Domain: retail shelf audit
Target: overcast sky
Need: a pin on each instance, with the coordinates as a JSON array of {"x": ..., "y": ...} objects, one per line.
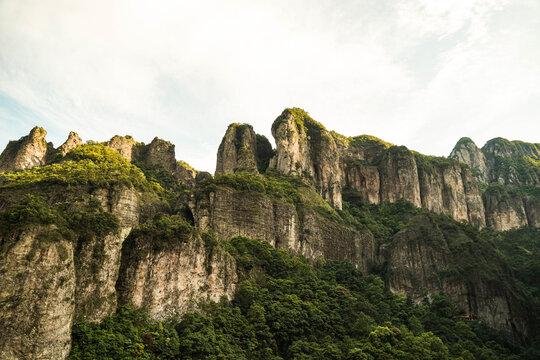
[{"x": 420, "y": 73}]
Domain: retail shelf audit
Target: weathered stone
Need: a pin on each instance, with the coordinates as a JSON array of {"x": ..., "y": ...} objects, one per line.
[
  {"x": 99, "y": 258},
  {"x": 422, "y": 260},
  {"x": 72, "y": 142},
  {"x": 504, "y": 210},
  {"x": 365, "y": 180},
  {"x": 29, "y": 151},
  {"x": 468, "y": 153},
  {"x": 298, "y": 229},
  {"x": 177, "y": 279},
  {"x": 237, "y": 151},
  {"x": 160, "y": 153},
  {"x": 37, "y": 286},
  {"x": 305, "y": 148},
  {"x": 128, "y": 148}
]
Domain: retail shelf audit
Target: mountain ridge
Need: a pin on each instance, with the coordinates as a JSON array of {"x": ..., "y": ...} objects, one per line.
[{"x": 319, "y": 195}]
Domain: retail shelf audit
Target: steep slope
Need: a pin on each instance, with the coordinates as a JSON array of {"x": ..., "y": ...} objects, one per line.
[
  {"x": 512, "y": 163},
  {"x": 379, "y": 171},
  {"x": 30, "y": 150},
  {"x": 86, "y": 229},
  {"x": 281, "y": 210},
  {"x": 169, "y": 268}
]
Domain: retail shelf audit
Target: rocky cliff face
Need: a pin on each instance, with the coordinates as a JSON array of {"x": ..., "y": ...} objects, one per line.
[
  {"x": 72, "y": 142},
  {"x": 126, "y": 146},
  {"x": 299, "y": 228},
  {"x": 37, "y": 282},
  {"x": 242, "y": 150},
  {"x": 176, "y": 278},
  {"x": 48, "y": 280},
  {"x": 423, "y": 260},
  {"x": 98, "y": 259},
  {"x": 506, "y": 209},
  {"x": 468, "y": 153},
  {"x": 377, "y": 170},
  {"x": 29, "y": 151},
  {"x": 512, "y": 163},
  {"x": 238, "y": 150},
  {"x": 305, "y": 148}
]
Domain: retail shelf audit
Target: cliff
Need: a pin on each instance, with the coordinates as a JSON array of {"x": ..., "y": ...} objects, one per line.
[
  {"x": 29, "y": 151},
  {"x": 305, "y": 148},
  {"x": 427, "y": 257},
  {"x": 281, "y": 210},
  {"x": 512, "y": 163},
  {"x": 172, "y": 273},
  {"x": 63, "y": 258},
  {"x": 377, "y": 170},
  {"x": 88, "y": 227},
  {"x": 242, "y": 150}
]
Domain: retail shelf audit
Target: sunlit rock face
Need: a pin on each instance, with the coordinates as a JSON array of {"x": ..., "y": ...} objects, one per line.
[
  {"x": 72, "y": 142},
  {"x": 29, "y": 151},
  {"x": 377, "y": 170}
]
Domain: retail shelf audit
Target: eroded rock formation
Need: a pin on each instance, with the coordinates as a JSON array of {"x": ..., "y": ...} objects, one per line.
[
  {"x": 29, "y": 151},
  {"x": 423, "y": 260}
]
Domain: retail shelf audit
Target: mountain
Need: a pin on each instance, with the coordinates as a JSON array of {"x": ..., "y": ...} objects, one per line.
[{"x": 87, "y": 229}]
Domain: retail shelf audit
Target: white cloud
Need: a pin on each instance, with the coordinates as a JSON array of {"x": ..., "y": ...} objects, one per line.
[{"x": 415, "y": 72}]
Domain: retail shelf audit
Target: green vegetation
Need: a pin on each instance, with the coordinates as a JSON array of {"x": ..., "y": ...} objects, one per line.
[
  {"x": 532, "y": 191},
  {"x": 129, "y": 334},
  {"x": 368, "y": 141},
  {"x": 163, "y": 231},
  {"x": 185, "y": 164},
  {"x": 285, "y": 308},
  {"x": 272, "y": 184},
  {"x": 93, "y": 165},
  {"x": 521, "y": 248},
  {"x": 432, "y": 164},
  {"x": 514, "y": 162},
  {"x": 304, "y": 123},
  {"x": 464, "y": 141},
  {"x": 523, "y": 169},
  {"x": 84, "y": 223}
]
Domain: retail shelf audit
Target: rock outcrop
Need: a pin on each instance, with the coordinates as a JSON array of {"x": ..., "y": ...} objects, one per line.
[
  {"x": 237, "y": 151},
  {"x": 379, "y": 171},
  {"x": 98, "y": 259},
  {"x": 177, "y": 278},
  {"x": 305, "y": 148},
  {"x": 512, "y": 163},
  {"x": 49, "y": 280},
  {"x": 158, "y": 155},
  {"x": 37, "y": 286},
  {"x": 507, "y": 210},
  {"x": 29, "y": 151},
  {"x": 126, "y": 146},
  {"x": 72, "y": 142},
  {"x": 423, "y": 260},
  {"x": 302, "y": 228},
  {"x": 242, "y": 150},
  {"x": 468, "y": 153}
]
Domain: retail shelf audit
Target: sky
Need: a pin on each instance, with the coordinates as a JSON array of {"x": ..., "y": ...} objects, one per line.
[{"x": 419, "y": 73}]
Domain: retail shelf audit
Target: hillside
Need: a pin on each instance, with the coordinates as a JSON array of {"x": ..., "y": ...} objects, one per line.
[{"x": 326, "y": 247}]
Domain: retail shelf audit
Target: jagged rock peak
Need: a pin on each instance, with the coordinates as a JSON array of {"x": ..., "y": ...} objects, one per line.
[
  {"x": 467, "y": 152},
  {"x": 304, "y": 147},
  {"x": 72, "y": 142},
  {"x": 238, "y": 150},
  {"x": 160, "y": 153},
  {"x": 28, "y": 151},
  {"x": 513, "y": 149},
  {"x": 128, "y": 148}
]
